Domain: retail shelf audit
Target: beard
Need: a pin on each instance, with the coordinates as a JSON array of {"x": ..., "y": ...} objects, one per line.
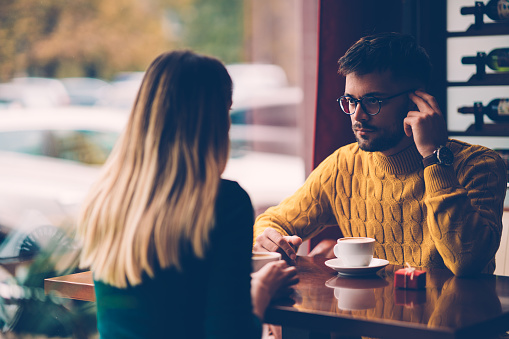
[{"x": 385, "y": 138}]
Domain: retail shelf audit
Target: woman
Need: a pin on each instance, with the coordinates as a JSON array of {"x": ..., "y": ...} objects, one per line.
[{"x": 169, "y": 241}]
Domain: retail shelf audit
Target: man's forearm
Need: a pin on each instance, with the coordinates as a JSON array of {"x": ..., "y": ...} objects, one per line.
[{"x": 466, "y": 223}]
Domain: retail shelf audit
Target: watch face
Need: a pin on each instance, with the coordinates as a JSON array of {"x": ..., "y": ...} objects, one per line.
[{"x": 445, "y": 156}]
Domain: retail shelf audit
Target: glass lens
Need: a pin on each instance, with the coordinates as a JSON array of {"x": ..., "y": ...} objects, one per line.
[
  {"x": 347, "y": 105},
  {"x": 371, "y": 105}
]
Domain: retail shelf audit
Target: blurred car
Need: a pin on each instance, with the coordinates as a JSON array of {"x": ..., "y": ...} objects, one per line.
[
  {"x": 268, "y": 178},
  {"x": 255, "y": 86},
  {"x": 123, "y": 90},
  {"x": 17, "y": 95},
  {"x": 52, "y": 88},
  {"x": 48, "y": 160},
  {"x": 261, "y": 85},
  {"x": 50, "y": 157},
  {"x": 128, "y": 76},
  {"x": 120, "y": 95},
  {"x": 85, "y": 91}
]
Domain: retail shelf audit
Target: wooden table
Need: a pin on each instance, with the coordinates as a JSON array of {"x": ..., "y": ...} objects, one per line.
[
  {"x": 78, "y": 286},
  {"x": 449, "y": 307}
]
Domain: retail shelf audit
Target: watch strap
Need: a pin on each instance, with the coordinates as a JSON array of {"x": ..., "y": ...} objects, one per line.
[
  {"x": 442, "y": 156},
  {"x": 430, "y": 159}
]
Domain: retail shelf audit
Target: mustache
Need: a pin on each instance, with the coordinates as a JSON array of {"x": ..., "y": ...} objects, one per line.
[{"x": 360, "y": 125}]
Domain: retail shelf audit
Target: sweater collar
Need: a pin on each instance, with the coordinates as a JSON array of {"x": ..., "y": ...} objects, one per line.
[{"x": 406, "y": 161}]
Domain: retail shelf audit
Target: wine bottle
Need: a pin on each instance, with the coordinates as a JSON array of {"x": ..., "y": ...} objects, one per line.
[
  {"x": 497, "y": 59},
  {"x": 497, "y": 110},
  {"x": 496, "y": 10}
]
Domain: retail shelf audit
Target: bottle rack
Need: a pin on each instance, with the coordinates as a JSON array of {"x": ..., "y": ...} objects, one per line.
[
  {"x": 481, "y": 78},
  {"x": 484, "y": 30},
  {"x": 479, "y": 24}
]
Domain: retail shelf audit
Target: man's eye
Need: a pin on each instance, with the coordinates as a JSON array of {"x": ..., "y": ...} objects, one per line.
[
  {"x": 370, "y": 100},
  {"x": 351, "y": 101}
]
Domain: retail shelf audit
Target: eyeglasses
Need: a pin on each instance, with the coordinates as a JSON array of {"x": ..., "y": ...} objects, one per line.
[{"x": 371, "y": 105}]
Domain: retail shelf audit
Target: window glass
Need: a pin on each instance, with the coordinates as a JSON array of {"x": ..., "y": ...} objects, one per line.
[
  {"x": 91, "y": 55},
  {"x": 87, "y": 147},
  {"x": 28, "y": 142}
]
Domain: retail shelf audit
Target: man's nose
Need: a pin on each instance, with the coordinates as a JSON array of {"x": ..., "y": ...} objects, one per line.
[{"x": 360, "y": 114}]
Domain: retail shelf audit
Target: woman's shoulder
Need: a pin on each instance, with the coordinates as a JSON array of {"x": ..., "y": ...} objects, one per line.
[
  {"x": 233, "y": 198},
  {"x": 229, "y": 188}
]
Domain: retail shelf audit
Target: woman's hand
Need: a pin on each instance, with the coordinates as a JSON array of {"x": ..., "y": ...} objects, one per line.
[{"x": 272, "y": 279}]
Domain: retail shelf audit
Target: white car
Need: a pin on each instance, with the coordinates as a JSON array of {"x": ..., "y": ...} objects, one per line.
[
  {"x": 48, "y": 160},
  {"x": 261, "y": 86},
  {"x": 85, "y": 91}
]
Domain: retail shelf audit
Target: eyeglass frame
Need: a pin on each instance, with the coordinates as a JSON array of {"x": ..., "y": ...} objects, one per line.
[{"x": 359, "y": 101}]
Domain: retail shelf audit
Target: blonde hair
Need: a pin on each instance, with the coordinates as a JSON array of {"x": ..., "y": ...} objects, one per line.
[{"x": 158, "y": 188}]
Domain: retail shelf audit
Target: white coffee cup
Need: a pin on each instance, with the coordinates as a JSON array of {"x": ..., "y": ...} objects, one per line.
[
  {"x": 355, "y": 251},
  {"x": 355, "y": 299},
  {"x": 259, "y": 259}
]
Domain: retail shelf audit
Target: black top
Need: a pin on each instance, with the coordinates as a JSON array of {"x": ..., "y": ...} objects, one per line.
[{"x": 209, "y": 298}]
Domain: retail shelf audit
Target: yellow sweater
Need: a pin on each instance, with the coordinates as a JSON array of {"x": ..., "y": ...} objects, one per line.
[{"x": 434, "y": 217}]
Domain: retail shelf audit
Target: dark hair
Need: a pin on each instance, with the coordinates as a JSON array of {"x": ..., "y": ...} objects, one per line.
[{"x": 396, "y": 52}]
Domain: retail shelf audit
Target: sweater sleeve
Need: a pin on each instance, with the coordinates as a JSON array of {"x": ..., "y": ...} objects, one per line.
[
  {"x": 229, "y": 311},
  {"x": 308, "y": 210},
  {"x": 465, "y": 206}
]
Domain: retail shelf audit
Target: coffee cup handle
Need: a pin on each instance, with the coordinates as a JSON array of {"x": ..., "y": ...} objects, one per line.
[{"x": 336, "y": 251}]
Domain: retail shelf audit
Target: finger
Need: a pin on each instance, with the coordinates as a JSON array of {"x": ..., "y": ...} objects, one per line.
[
  {"x": 281, "y": 242},
  {"x": 323, "y": 248},
  {"x": 267, "y": 241},
  {"x": 422, "y": 105},
  {"x": 408, "y": 127},
  {"x": 292, "y": 279},
  {"x": 290, "y": 270},
  {"x": 270, "y": 269},
  {"x": 294, "y": 240},
  {"x": 262, "y": 244},
  {"x": 429, "y": 100}
]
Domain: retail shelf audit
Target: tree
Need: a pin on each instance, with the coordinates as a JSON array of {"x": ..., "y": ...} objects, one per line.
[
  {"x": 212, "y": 27},
  {"x": 56, "y": 38},
  {"x": 99, "y": 38}
]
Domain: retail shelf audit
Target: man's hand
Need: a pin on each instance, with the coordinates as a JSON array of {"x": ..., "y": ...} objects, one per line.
[
  {"x": 324, "y": 248},
  {"x": 272, "y": 241},
  {"x": 427, "y": 124}
]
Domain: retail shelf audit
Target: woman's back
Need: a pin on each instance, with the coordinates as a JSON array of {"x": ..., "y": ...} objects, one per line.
[
  {"x": 209, "y": 298},
  {"x": 168, "y": 241}
]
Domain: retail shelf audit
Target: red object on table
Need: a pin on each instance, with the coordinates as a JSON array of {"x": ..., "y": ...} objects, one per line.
[
  {"x": 410, "y": 278},
  {"x": 409, "y": 298}
]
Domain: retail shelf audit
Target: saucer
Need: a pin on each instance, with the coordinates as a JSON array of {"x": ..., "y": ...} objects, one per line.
[
  {"x": 338, "y": 266},
  {"x": 361, "y": 283}
]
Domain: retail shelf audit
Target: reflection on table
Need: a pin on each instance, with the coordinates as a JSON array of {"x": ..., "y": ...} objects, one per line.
[
  {"x": 325, "y": 303},
  {"x": 449, "y": 307}
]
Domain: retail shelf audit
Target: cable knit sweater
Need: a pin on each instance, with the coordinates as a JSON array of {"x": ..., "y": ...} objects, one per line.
[{"x": 434, "y": 217}]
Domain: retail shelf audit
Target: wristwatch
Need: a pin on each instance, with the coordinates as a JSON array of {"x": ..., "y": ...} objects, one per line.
[{"x": 442, "y": 156}]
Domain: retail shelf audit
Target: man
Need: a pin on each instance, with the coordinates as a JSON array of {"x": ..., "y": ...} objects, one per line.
[{"x": 426, "y": 199}]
